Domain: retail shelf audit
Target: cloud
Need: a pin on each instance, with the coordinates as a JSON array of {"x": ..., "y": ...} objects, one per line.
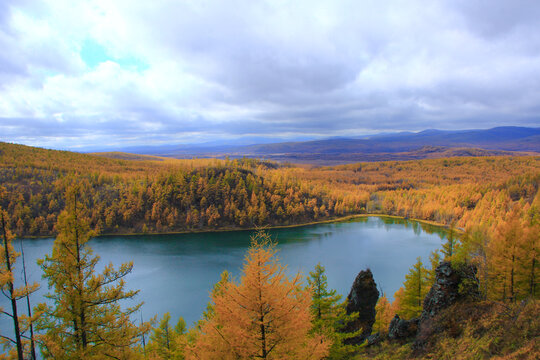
[{"x": 124, "y": 72}]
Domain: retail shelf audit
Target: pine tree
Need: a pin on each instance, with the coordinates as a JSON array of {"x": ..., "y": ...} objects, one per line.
[
  {"x": 449, "y": 247},
  {"x": 434, "y": 260},
  {"x": 21, "y": 323},
  {"x": 415, "y": 289},
  {"x": 324, "y": 301},
  {"x": 329, "y": 315},
  {"x": 265, "y": 316},
  {"x": 166, "y": 342},
  {"x": 85, "y": 320}
]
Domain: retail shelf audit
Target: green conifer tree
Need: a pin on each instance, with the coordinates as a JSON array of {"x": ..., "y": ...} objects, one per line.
[
  {"x": 85, "y": 320},
  {"x": 329, "y": 315},
  {"x": 451, "y": 244},
  {"x": 416, "y": 287},
  {"x": 434, "y": 260},
  {"x": 167, "y": 343}
]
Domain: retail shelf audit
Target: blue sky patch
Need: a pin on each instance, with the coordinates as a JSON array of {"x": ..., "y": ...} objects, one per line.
[{"x": 93, "y": 54}]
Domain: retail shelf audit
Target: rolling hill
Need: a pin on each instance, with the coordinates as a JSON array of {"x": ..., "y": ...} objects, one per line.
[{"x": 432, "y": 143}]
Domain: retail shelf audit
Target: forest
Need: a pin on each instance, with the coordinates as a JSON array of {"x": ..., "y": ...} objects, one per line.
[
  {"x": 490, "y": 205},
  {"x": 170, "y": 195}
]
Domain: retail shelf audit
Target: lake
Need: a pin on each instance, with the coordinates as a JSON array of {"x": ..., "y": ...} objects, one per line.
[{"x": 176, "y": 272}]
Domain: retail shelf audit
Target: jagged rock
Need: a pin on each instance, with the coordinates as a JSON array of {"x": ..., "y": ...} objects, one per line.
[
  {"x": 374, "y": 339},
  {"x": 362, "y": 299},
  {"x": 451, "y": 285},
  {"x": 401, "y": 329},
  {"x": 446, "y": 290}
]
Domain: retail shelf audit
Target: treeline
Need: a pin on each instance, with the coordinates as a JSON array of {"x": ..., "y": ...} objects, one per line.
[
  {"x": 153, "y": 196},
  {"x": 184, "y": 195}
]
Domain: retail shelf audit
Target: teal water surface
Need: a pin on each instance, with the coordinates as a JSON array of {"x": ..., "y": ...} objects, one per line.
[{"x": 175, "y": 273}]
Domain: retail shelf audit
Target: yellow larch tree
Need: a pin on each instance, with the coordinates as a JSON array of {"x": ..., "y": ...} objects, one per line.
[
  {"x": 528, "y": 279},
  {"x": 398, "y": 301},
  {"x": 504, "y": 250},
  {"x": 383, "y": 315},
  {"x": 265, "y": 316}
]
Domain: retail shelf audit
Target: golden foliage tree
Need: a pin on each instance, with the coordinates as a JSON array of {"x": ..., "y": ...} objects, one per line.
[
  {"x": 504, "y": 259},
  {"x": 531, "y": 249},
  {"x": 513, "y": 254},
  {"x": 398, "y": 301},
  {"x": 528, "y": 279},
  {"x": 383, "y": 314},
  {"x": 85, "y": 320},
  {"x": 265, "y": 316}
]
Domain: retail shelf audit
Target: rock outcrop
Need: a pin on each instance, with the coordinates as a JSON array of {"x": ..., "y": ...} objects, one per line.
[
  {"x": 374, "y": 339},
  {"x": 401, "y": 329},
  {"x": 446, "y": 290},
  {"x": 452, "y": 284},
  {"x": 362, "y": 299}
]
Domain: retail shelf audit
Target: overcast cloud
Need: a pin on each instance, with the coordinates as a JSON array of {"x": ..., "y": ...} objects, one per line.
[{"x": 107, "y": 73}]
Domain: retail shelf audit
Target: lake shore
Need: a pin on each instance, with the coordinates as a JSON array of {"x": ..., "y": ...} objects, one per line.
[{"x": 229, "y": 229}]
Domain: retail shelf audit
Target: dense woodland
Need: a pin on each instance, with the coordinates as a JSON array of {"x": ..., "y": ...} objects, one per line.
[
  {"x": 183, "y": 195},
  {"x": 490, "y": 205}
]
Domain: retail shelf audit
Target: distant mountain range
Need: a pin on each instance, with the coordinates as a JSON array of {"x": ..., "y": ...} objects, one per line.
[{"x": 508, "y": 140}]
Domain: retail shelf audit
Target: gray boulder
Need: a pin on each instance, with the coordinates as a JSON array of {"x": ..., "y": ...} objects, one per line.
[
  {"x": 401, "y": 329},
  {"x": 374, "y": 339}
]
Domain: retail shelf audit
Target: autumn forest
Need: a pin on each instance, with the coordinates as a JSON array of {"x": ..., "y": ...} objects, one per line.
[{"x": 490, "y": 207}]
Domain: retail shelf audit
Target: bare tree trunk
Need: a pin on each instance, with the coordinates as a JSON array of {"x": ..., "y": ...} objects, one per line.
[
  {"x": 143, "y": 340},
  {"x": 32, "y": 344},
  {"x": 533, "y": 283},
  {"x": 81, "y": 314},
  {"x": 12, "y": 291},
  {"x": 512, "y": 295}
]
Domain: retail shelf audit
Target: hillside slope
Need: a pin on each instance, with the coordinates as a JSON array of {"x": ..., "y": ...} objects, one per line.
[{"x": 500, "y": 141}]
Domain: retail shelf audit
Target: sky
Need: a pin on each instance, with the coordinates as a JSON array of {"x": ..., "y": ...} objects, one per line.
[{"x": 118, "y": 73}]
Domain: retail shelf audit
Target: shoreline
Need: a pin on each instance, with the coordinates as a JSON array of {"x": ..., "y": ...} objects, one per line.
[{"x": 326, "y": 221}]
